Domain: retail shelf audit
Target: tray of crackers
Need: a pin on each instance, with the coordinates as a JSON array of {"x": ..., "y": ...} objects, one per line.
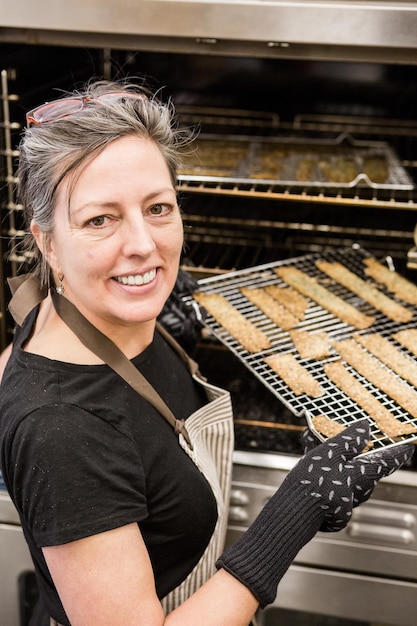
[
  {"x": 343, "y": 162},
  {"x": 332, "y": 335}
]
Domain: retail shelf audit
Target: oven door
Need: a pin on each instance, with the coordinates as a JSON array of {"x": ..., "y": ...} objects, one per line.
[
  {"x": 16, "y": 577},
  {"x": 309, "y": 596},
  {"x": 17, "y": 580}
]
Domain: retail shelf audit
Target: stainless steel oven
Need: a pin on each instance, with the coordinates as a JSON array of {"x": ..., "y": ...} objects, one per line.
[{"x": 341, "y": 74}]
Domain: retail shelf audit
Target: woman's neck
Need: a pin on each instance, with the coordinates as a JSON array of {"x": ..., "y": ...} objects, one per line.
[{"x": 52, "y": 338}]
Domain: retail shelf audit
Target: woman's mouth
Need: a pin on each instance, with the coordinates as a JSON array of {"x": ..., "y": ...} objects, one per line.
[{"x": 137, "y": 279}]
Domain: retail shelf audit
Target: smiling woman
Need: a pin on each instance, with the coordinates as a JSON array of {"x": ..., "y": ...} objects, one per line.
[
  {"x": 118, "y": 454},
  {"x": 117, "y": 239}
]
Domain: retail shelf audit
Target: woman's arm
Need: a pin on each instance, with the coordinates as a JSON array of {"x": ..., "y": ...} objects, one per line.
[{"x": 107, "y": 579}]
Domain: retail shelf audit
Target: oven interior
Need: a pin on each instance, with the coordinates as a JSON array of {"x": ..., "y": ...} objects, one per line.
[{"x": 233, "y": 225}]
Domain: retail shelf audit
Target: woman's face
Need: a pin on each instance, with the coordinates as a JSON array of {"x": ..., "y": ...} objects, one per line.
[{"x": 119, "y": 244}]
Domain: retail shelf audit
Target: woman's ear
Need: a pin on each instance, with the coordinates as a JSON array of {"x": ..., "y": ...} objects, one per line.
[{"x": 44, "y": 244}]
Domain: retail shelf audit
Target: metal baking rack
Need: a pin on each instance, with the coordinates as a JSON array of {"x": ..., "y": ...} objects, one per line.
[
  {"x": 290, "y": 154},
  {"x": 333, "y": 403}
]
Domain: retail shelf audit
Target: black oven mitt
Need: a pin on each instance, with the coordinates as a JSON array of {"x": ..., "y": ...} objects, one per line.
[{"x": 318, "y": 494}]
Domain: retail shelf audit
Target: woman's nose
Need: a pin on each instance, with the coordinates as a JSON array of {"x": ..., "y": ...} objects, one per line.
[{"x": 138, "y": 239}]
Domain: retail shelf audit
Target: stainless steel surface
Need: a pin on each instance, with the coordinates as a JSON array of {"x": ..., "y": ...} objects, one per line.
[
  {"x": 15, "y": 562},
  {"x": 8, "y": 514},
  {"x": 293, "y": 29},
  {"x": 333, "y": 402},
  {"x": 325, "y": 593}
]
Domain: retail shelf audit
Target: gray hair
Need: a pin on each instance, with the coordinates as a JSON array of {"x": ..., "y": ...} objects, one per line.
[{"x": 50, "y": 151}]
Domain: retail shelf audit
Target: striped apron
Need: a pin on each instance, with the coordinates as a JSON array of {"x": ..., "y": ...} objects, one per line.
[{"x": 211, "y": 432}]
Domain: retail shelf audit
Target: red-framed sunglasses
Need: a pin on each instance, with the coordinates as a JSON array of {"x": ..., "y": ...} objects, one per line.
[{"x": 65, "y": 107}]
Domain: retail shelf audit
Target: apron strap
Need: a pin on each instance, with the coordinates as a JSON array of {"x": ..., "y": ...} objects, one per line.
[
  {"x": 26, "y": 294},
  {"x": 106, "y": 350},
  {"x": 192, "y": 365}
]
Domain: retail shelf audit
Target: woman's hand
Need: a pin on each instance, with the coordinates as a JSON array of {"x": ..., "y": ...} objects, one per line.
[
  {"x": 318, "y": 494},
  {"x": 357, "y": 479}
]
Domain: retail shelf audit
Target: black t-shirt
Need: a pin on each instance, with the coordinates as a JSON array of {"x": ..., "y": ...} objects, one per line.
[{"x": 81, "y": 453}]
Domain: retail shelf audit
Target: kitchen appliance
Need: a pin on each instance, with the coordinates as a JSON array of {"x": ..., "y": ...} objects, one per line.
[
  {"x": 309, "y": 73},
  {"x": 18, "y": 591}
]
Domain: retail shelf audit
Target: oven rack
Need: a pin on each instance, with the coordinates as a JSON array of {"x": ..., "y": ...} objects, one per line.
[
  {"x": 358, "y": 132},
  {"x": 8, "y": 181},
  {"x": 298, "y": 162},
  {"x": 333, "y": 403},
  {"x": 392, "y": 199}
]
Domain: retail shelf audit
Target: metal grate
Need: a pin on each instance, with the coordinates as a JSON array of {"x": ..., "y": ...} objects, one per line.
[
  {"x": 293, "y": 162},
  {"x": 333, "y": 403},
  {"x": 8, "y": 205}
]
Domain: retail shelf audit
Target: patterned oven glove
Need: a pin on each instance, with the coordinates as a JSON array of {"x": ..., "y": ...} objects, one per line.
[{"x": 318, "y": 494}]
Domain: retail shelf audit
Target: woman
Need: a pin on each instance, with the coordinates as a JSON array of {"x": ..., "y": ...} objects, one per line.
[{"x": 118, "y": 509}]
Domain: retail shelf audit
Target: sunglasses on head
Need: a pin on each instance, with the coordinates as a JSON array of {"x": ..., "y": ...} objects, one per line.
[{"x": 65, "y": 107}]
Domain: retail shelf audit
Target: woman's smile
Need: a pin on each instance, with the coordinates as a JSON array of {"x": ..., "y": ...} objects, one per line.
[{"x": 137, "y": 279}]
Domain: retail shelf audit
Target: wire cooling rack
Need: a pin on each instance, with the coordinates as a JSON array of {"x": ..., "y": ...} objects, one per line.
[{"x": 333, "y": 403}]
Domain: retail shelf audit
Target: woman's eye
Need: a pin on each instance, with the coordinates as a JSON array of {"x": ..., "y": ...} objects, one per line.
[
  {"x": 159, "y": 209},
  {"x": 97, "y": 221}
]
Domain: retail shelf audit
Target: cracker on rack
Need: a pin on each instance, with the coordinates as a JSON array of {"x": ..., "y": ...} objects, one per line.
[
  {"x": 330, "y": 428},
  {"x": 394, "y": 282},
  {"x": 373, "y": 371},
  {"x": 293, "y": 300},
  {"x": 387, "y": 423},
  {"x": 326, "y": 426},
  {"x": 281, "y": 316},
  {"x": 367, "y": 292},
  {"x": 311, "y": 288},
  {"x": 387, "y": 353},
  {"x": 311, "y": 345},
  {"x": 297, "y": 377},
  {"x": 407, "y": 338},
  {"x": 242, "y": 329}
]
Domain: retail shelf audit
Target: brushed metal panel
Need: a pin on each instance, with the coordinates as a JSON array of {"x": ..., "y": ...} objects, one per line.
[
  {"x": 279, "y": 24},
  {"x": 373, "y": 600},
  {"x": 15, "y": 560}
]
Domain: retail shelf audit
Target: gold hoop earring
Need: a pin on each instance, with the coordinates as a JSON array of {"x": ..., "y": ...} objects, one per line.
[{"x": 60, "y": 288}]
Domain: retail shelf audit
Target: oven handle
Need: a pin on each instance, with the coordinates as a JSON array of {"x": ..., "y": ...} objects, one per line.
[{"x": 381, "y": 524}]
